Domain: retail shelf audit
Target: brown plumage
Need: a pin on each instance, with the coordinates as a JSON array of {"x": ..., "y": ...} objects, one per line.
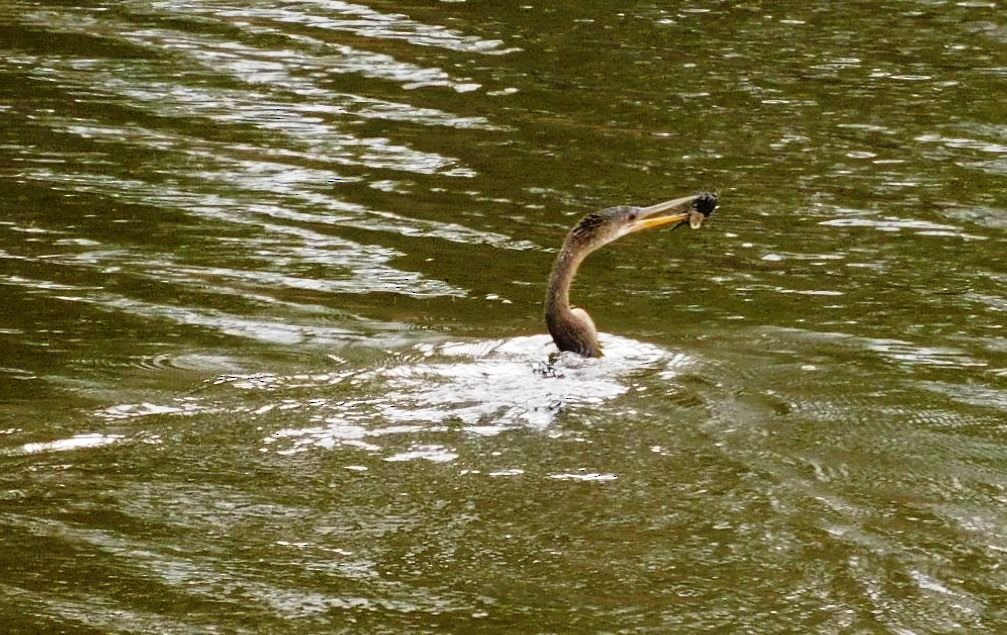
[{"x": 572, "y": 328}]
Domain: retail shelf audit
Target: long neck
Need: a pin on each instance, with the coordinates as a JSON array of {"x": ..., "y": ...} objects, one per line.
[
  {"x": 571, "y": 329},
  {"x": 561, "y": 278}
]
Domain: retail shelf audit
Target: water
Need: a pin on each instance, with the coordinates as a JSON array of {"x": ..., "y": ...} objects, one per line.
[{"x": 272, "y": 352}]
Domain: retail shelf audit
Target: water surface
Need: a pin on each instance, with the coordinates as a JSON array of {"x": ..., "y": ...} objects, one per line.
[{"x": 272, "y": 359}]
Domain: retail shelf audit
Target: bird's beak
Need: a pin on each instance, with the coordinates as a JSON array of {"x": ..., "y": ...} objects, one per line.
[{"x": 675, "y": 212}]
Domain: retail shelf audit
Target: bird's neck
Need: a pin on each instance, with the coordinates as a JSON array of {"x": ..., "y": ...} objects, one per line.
[
  {"x": 561, "y": 278},
  {"x": 571, "y": 330}
]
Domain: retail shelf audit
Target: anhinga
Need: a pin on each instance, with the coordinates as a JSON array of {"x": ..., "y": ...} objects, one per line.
[{"x": 571, "y": 328}]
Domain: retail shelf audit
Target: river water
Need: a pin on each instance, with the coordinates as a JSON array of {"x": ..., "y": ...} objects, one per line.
[{"x": 271, "y": 349}]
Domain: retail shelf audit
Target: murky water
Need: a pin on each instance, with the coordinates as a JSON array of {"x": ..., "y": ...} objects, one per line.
[{"x": 271, "y": 353}]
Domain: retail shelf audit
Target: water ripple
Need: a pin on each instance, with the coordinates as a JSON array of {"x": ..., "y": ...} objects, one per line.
[
  {"x": 358, "y": 19},
  {"x": 76, "y": 442}
]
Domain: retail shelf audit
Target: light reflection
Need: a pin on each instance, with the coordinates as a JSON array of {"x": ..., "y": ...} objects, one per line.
[
  {"x": 355, "y": 18},
  {"x": 895, "y": 225},
  {"x": 290, "y": 68},
  {"x": 892, "y": 350},
  {"x": 76, "y": 442},
  {"x": 584, "y": 476},
  {"x": 964, "y": 142},
  {"x": 478, "y": 388},
  {"x": 229, "y": 167},
  {"x": 432, "y": 453},
  {"x": 363, "y": 268}
]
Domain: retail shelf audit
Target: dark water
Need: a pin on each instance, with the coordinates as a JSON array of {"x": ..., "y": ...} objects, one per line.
[{"x": 271, "y": 348}]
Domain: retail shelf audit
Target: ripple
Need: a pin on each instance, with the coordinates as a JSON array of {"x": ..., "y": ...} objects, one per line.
[
  {"x": 303, "y": 126},
  {"x": 291, "y": 69},
  {"x": 897, "y": 351},
  {"x": 121, "y": 412},
  {"x": 964, "y": 142},
  {"x": 17, "y": 373},
  {"x": 253, "y": 235},
  {"x": 204, "y": 576},
  {"x": 905, "y": 352},
  {"x": 76, "y": 442},
  {"x": 254, "y": 181},
  {"x": 201, "y": 362},
  {"x": 358, "y": 19},
  {"x": 895, "y": 225},
  {"x": 432, "y": 453},
  {"x": 363, "y": 263},
  {"x": 584, "y": 476},
  {"x": 971, "y": 394},
  {"x": 478, "y": 388},
  {"x": 984, "y": 216}
]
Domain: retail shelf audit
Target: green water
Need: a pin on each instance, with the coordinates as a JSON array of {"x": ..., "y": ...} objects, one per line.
[{"x": 271, "y": 348}]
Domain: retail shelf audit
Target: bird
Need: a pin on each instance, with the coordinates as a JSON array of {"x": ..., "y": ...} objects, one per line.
[{"x": 571, "y": 327}]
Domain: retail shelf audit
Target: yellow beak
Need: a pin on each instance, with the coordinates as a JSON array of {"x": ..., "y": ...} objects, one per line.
[
  {"x": 661, "y": 221},
  {"x": 673, "y": 212}
]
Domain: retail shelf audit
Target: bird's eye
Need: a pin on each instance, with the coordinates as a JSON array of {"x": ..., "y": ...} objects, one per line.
[{"x": 632, "y": 216}]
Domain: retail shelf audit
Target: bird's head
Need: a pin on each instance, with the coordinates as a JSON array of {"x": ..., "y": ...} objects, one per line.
[{"x": 600, "y": 228}]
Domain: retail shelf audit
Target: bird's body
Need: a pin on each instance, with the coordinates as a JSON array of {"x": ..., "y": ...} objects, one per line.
[{"x": 572, "y": 328}]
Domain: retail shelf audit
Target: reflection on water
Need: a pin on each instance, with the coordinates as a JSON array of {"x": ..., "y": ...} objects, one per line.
[
  {"x": 483, "y": 388},
  {"x": 75, "y": 442},
  {"x": 272, "y": 349}
]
